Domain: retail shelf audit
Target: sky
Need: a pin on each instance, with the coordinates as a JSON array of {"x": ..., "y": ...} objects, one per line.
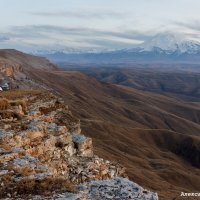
[{"x": 37, "y": 25}]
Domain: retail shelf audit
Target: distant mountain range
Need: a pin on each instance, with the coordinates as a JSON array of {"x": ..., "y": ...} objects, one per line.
[{"x": 162, "y": 48}]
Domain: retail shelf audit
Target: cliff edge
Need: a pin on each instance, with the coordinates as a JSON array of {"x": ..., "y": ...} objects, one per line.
[{"x": 43, "y": 154}]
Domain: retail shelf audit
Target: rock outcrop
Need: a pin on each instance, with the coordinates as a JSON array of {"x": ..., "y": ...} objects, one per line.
[
  {"x": 43, "y": 155},
  {"x": 16, "y": 68}
]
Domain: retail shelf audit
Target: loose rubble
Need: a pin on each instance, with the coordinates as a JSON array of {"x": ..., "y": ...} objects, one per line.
[{"x": 45, "y": 144}]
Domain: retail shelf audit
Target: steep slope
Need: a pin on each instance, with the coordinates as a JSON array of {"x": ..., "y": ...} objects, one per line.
[
  {"x": 152, "y": 135},
  {"x": 14, "y": 67},
  {"x": 145, "y": 131},
  {"x": 14, "y": 58},
  {"x": 43, "y": 153}
]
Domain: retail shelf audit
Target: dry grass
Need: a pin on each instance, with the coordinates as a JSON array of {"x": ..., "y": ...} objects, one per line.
[
  {"x": 35, "y": 187},
  {"x": 17, "y": 94},
  {"x": 4, "y": 104},
  {"x": 56, "y": 106},
  {"x": 8, "y": 114},
  {"x": 19, "y": 103},
  {"x": 7, "y": 110},
  {"x": 23, "y": 171},
  {"x": 61, "y": 184},
  {"x": 5, "y": 146}
]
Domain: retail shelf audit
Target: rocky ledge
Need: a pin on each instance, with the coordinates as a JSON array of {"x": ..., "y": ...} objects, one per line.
[{"x": 43, "y": 154}]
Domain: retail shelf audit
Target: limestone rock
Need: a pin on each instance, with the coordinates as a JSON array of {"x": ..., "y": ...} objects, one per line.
[
  {"x": 117, "y": 188},
  {"x": 83, "y": 145},
  {"x": 5, "y": 136}
]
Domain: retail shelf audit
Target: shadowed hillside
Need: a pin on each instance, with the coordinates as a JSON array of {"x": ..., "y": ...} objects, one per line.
[{"x": 182, "y": 80}]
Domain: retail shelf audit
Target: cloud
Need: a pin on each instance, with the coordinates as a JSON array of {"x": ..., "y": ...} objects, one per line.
[
  {"x": 192, "y": 25},
  {"x": 3, "y": 38},
  {"x": 46, "y": 36},
  {"x": 84, "y": 14},
  {"x": 48, "y": 31}
]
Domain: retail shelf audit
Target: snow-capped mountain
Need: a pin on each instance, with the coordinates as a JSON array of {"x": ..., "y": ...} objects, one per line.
[
  {"x": 163, "y": 42},
  {"x": 171, "y": 43},
  {"x": 162, "y": 48}
]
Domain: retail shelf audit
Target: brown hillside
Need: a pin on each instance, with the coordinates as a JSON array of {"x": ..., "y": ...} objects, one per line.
[{"x": 154, "y": 136}]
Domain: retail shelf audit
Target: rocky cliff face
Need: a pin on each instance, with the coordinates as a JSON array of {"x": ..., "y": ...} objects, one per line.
[
  {"x": 16, "y": 67},
  {"x": 43, "y": 154},
  {"x": 9, "y": 70}
]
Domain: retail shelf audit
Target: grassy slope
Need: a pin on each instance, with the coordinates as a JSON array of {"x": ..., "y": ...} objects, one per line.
[{"x": 144, "y": 131}]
